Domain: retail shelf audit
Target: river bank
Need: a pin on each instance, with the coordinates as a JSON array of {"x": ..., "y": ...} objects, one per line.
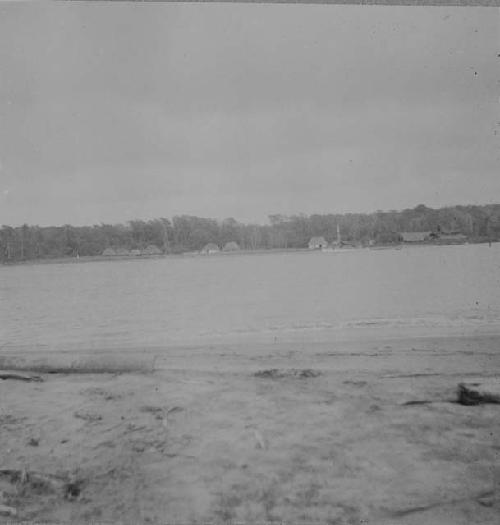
[
  {"x": 131, "y": 257},
  {"x": 111, "y": 258}
]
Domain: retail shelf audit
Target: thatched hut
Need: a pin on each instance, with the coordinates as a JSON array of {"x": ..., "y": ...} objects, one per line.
[
  {"x": 231, "y": 247},
  {"x": 210, "y": 248},
  {"x": 152, "y": 249}
]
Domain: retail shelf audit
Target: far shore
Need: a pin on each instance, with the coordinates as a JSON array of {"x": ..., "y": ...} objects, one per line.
[{"x": 107, "y": 258}]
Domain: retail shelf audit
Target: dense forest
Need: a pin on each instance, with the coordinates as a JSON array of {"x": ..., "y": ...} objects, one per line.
[{"x": 187, "y": 233}]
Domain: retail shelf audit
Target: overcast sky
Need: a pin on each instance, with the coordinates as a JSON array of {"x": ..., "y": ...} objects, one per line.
[{"x": 110, "y": 112}]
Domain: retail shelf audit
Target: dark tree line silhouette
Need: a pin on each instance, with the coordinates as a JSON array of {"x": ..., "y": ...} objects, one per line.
[{"x": 186, "y": 233}]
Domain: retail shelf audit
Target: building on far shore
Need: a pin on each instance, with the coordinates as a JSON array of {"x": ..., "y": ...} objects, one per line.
[
  {"x": 317, "y": 243},
  {"x": 452, "y": 237},
  {"x": 417, "y": 236},
  {"x": 440, "y": 237},
  {"x": 151, "y": 249},
  {"x": 210, "y": 248},
  {"x": 109, "y": 252},
  {"x": 231, "y": 247}
]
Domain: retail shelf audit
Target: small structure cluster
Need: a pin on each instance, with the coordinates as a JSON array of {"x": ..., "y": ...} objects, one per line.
[
  {"x": 412, "y": 237},
  {"x": 317, "y": 243},
  {"x": 416, "y": 236},
  {"x": 150, "y": 250},
  {"x": 320, "y": 243},
  {"x": 231, "y": 247},
  {"x": 444, "y": 237},
  {"x": 212, "y": 248}
]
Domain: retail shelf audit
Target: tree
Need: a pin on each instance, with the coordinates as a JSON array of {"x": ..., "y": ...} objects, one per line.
[
  {"x": 7, "y": 242},
  {"x": 190, "y": 233}
]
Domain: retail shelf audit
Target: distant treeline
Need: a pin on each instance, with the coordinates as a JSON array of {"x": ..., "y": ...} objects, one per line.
[{"x": 187, "y": 233}]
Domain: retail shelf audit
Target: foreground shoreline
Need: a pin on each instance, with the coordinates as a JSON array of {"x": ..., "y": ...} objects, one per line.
[{"x": 203, "y": 439}]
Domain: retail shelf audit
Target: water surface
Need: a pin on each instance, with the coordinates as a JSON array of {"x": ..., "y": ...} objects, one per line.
[{"x": 286, "y": 296}]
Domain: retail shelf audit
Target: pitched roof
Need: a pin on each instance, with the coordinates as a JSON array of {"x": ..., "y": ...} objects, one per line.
[
  {"x": 415, "y": 236},
  {"x": 317, "y": 240},
  {"x": 231, "y": 246},
  {"x": 210, "y": 246},
  {"x": 152, "y": 249}
]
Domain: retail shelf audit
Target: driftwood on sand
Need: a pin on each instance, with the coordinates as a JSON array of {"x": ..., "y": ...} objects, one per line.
[
  {"x": 8, "y": 374},
  {"x": 78, "y": 363},
  {"x": 478, "y": 392},
  {"x": 40, "y": 483},
  {"x": 275, "y": 373},
  {"x": 7, "y": 511}
]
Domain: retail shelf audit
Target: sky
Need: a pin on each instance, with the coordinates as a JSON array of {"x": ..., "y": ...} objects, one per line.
[{"x": 118, "y": 111}]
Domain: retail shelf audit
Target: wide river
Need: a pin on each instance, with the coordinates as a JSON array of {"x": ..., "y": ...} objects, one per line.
[{"x": 250, "y": 297}]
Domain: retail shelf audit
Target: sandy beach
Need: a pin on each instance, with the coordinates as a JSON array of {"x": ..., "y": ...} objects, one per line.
[{"x": 362, "y": 431}]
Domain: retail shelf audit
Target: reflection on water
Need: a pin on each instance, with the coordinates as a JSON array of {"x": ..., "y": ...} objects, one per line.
[{"x": 307, "y": 296}]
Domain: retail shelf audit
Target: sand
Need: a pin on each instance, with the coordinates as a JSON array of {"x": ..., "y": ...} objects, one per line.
[{"x": 372, "y": 435}]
